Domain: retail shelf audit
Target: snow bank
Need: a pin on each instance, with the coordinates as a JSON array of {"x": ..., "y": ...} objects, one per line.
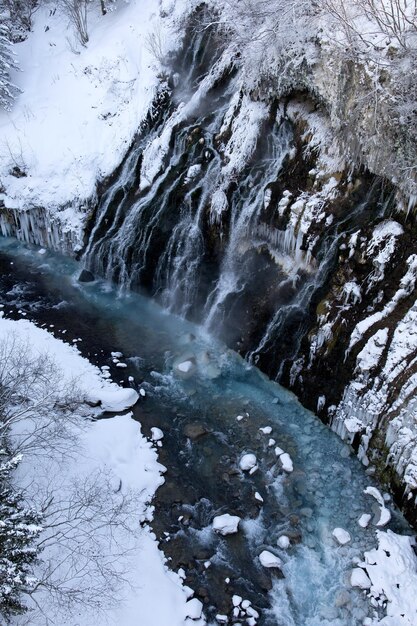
[
  {"x": 77, "y": 371},
  {"x": 392, "y": 569},
  {"x": 115, "y": 450}
]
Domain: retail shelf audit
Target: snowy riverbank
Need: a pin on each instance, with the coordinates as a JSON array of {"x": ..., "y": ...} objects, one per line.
[{"x": 123, "y": 464}]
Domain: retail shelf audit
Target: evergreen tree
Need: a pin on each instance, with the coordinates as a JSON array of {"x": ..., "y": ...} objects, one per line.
[
  {"x": 19, "y": 527},
  {"x": 8, "y": 90}
]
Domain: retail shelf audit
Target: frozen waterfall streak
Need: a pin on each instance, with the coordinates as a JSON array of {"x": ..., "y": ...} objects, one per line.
[
  {"x": 301, "y": 304},
  {"x": 247, "y": 204},
  {"x": 303, "y": 298}
]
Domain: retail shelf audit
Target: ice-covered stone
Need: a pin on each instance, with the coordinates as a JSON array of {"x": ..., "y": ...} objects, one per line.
[
  {"x": 237, "y": 600},
  {"x": 266, "y": 430}
]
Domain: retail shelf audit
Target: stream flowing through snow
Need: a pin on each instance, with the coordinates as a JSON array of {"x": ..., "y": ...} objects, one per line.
[{"x": 213, "y": 408}]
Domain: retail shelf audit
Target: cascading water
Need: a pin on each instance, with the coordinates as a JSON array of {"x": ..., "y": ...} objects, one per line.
[
  {"x": 188, "y": 216},
  {"x": 246, "y": 206}
]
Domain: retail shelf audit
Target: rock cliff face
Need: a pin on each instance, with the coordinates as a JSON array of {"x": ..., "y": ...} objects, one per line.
[{"x": 282, "y": 223}]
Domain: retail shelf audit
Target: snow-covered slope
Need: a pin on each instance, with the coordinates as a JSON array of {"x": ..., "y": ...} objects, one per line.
[{"x": 78, "y": 110}]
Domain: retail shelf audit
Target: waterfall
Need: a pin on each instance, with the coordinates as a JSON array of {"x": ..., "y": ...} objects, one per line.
[
  {"x": 248, "y": 202},
  {"x": 199, "y": 214}
]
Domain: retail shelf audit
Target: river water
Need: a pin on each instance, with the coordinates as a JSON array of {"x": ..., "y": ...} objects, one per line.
[{"x": 203, "y": 444}]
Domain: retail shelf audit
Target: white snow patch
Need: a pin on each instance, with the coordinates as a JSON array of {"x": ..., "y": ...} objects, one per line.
[
  {"x": 358, "y": 578},
  {"x": 77, "y": 102},
  {"x": 194, "y": 608},
  {"x": 392, "y": 570}
]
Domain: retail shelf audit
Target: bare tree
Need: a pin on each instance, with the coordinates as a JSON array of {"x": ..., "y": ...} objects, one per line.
[
  {"x": 372, "y": 22},
  {"x": 90, "y": 532},
  {"x": 80, "y": 556},
  {"x": 36, "y": 404},
  {"x": 77, "y": 12}
]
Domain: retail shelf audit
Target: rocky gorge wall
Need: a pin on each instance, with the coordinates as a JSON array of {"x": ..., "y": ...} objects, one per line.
[{"x": 282, "y": 223}]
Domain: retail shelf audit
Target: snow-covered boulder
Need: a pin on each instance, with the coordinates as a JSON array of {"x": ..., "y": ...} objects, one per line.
[
  {"x": 226, "y": 524},
  {"x": 114, "y": 400},
  {"x": 364, "y": 520},
  {"x": 247, "y": 462},
  {"x": 283, "y": 542},
  {"x": 185, "y": 368},
  {"x": 156, "y": 434},
  {"x": 194, "y": 608},
  {"x": 342, "y": 536},
  {"x": 269, "y": 560},
  {"x": 359, "y": 578},
  {"x": 286, "y": 462},
  {"x": 266, "y": 430}
]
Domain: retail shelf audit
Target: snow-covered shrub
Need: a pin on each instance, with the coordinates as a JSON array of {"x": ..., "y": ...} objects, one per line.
[
  {"x": 275, "y": 39},
  {"x": 375, "y": 23},
  {"x": 19, "y": 529}
]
